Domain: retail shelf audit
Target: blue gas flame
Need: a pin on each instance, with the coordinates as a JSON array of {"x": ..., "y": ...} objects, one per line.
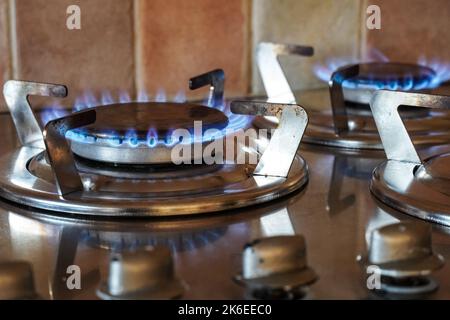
[
  {"x": 441, "y": 69},
  {"x": 54, "y": 112},
  {"x": 131, "y": 138}
]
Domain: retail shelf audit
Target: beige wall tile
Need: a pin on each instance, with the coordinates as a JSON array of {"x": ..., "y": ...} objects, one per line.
[
  {"x": 5, "y": 63},
  {"x": 180, "y": 39},
  {"x": 98, "y": 57},
  {"x": 410, "y": 30}
]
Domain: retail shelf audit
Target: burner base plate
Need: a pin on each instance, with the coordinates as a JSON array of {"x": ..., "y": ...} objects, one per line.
[
  {"x": 405, "y": 187},
  {"x": 230, "y": 186}
]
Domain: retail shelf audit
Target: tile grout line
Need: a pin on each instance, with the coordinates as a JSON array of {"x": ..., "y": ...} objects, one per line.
[
  {"x": 254, "y": 70},
  {"x": 138, "y": 86},
  {"x": 4, "y": 14},
  {"x": 12, "y": 32},
  {"x": 363, "y": 31},
  {"x": 249, "y": 45}
]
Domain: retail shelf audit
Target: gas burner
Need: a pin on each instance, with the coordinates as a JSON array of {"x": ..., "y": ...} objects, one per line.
[
  {"x": 350, "y": 123},
  {"x": 141, "y": 132},
  {"x": 110, "y": 139},
  {"x": 405, "y": 181},
  {"x": 386, "y": 75},
  {"x": 46, "y": 174}
]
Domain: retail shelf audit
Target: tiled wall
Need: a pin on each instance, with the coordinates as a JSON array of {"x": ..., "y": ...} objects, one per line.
[
  {"x": 180, "y": 39},
  {"x": 5, "y": 62},
  {"x": 98, "y": 57},
  {"x": 126, "y": 46},
  {"x": 331, "y": 27},
  {"x": 149, "y": 45},
  {"x": 411, "y": 29}
]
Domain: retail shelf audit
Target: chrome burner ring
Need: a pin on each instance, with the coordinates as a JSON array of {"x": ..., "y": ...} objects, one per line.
[
  {"x": 403, "y": 186},
  {"x": 229, "y": 187}
]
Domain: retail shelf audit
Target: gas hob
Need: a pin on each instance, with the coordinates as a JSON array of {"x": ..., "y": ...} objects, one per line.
[
  {"x": 335, "y": 213},
  {"x": 88, "y": 191}
]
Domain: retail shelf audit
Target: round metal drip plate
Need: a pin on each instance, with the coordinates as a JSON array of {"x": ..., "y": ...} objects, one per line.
[
  {"x": 386, "y": 75},
  {"x": 26, "y": 178},
  {"x": 141, "y": 133},
  {"x": 427, "y": 128},
  {"x": 421, "y": 190}
]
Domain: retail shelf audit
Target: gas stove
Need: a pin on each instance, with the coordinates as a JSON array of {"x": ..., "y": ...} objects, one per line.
[{"x": 98, "y": 188}]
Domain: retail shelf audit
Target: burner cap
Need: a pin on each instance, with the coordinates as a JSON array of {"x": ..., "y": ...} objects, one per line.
[
  {"x": 140, "y": 133},
  {"x": 116, "y": 120},
  {"x": 386, "y": 75}
]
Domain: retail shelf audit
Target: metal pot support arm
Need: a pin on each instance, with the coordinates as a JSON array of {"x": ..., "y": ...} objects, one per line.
[
  {"x": 277, "y": 159},
  {"x": 274, "y": 80},
  {"x": 216, "y": 80},
  {"x": 16, "y": 95},
  {"x": 338, "y": 107},
  {"x": 59, "y": 153},
  {"x": 394, "y": 136}
]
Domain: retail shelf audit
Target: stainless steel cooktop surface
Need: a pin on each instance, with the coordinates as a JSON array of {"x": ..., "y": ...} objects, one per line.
[{"x": 335, "y": 213}]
